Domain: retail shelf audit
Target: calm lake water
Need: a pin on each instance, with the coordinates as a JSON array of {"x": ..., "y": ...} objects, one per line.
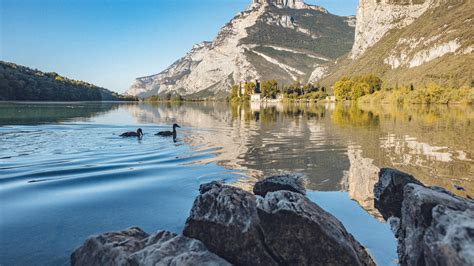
[{"x": 66, "y": 174}]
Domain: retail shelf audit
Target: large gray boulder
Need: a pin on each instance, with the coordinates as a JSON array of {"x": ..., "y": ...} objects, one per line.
[
  {"x": 426, "y": 226},
  {"x": 299, "y": 232},
  {"x": 285, "y": 229},
  {"x": 388, "y": 191},
  {"x": 135, "y": 247},
  {"x": 432, "y": 225},
  {"x": 290, "y": 182},
  {"x": 225, "y": 219},
  {"x": 112, "y": 248},
  {"x": 450, "y": 238}
]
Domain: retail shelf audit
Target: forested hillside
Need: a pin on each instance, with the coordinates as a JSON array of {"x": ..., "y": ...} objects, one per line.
[{"x": 19, "y": 83}]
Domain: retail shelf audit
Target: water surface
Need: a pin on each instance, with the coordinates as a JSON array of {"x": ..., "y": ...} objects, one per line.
[{"x": 66, "y": 174}]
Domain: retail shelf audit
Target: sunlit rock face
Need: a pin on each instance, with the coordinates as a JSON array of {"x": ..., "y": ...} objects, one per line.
[
  {"x": 209, "y": 64},
  {"x": 281, "y": 39},
  {"x": 415, "y": 42},
  {"x": 295, "y": 4},
  {"x": 377, "y": 17}
]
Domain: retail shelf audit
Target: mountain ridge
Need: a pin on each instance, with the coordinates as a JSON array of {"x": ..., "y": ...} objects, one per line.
[
  {"x": 436, "y": 46},
  {"x": 284, "y": 40}
]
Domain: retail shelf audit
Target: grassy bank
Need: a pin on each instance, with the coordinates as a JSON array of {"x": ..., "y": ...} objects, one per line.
[
  {"x": 431, "y": 94},
  {"x": 371, "y": 89}
]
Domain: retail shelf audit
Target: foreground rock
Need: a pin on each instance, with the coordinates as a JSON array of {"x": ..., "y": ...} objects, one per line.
[
  {"x": 450, "y": 239},
  {"x": 135, "y": 247},
  {"x": 230, "y": 225},
  {"x": 388, "y": 191},
  {"x": 225, "y": 219},
  {"x": 290, "y": 182},
  {"x": 299, "y": 232},
  {"x": 285, "y": 228},
  {"x": 435, "y": 226}
]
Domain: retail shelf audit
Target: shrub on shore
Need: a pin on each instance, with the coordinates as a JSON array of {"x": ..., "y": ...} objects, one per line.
[
  {"x": 370, "y": 89},
  {"x": 354, "y": 88},
  {"x": 430, "y": 94}
]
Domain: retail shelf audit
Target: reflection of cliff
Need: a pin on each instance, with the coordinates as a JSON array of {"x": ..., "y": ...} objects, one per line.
[
  {"x": 35, "y": 113},
  {"x": 361, "y": 178},
  {"x": 434, "y": 143},
  {"x": 213, "y": 128},
  {"x": 293, "y": 138},
  {"x": 412, "y": 150},
  {"x": 261, "y": 140}
]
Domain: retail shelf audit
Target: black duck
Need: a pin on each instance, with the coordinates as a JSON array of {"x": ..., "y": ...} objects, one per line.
[
  {"x": 139, "y": 133},
  {"x": 168, "y": 133}
]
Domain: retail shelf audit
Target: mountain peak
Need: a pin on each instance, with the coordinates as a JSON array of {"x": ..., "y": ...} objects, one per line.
[
  {"x": 272, "y": 39},
  {"x": 296, "y": 4},
  {"x": 293, "y": 4}
]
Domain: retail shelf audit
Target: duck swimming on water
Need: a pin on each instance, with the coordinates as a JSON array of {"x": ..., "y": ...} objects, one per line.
[
  {"x": 139, "y": 133},
  {"x": 168, "y": 133}
]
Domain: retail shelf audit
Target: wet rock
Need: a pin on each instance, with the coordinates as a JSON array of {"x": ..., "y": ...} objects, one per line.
[
  {"x": 450, "y": 238},
  {"x": 112, "y": 248},
  {"x": 290, "y": 182},
  {"x": 135, "y": 247},
  {"x": 225, "y": 219},
  {"x": 166, "y": 248},
  {"x": 388, "y": 191},
  {"x": 433, "y": 226},
  {"x": 208, "y": 186},
  {"x": 394, "y": 223},
  {"x": 285, "y": 229},
  {"x": 421, "y": 205},
  {"x": 298, "y": 232}
]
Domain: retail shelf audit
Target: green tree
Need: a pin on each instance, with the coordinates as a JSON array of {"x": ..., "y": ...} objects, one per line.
[
  {"x": 359, "y": 89},
  {"x": 234, "y": 93},
  {"x": 269, "y": 89},
  {"x": 373, "y": 82},
  {"x": 343, "y": 89},
  {"x": 249, "y": 87}
]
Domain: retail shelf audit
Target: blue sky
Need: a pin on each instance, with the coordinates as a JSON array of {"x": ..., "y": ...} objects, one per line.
[{"x": 111, "y": 42}]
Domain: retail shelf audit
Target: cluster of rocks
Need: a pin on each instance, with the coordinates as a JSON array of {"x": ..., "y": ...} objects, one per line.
[
  {"x": 277, "y": 225},
  {"x": 432, "y": 225},
  {"x": 135, "y": 247}
]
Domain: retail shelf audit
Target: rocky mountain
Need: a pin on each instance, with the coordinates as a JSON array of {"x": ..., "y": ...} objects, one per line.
[
  {"x": 286, "y": 40},
  {"x": 412, "y": 42}
]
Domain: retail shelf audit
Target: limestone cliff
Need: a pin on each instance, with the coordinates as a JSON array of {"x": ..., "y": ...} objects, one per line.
[
  {"x": 412, "y": 42},
  {"x": 377, "y": 17},
  {"x": 272, "y": 39}
]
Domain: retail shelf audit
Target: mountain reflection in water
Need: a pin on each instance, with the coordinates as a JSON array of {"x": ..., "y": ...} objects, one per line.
[
  {"x": 338, "y": 147},
  {"x": 63, "y": 165}
]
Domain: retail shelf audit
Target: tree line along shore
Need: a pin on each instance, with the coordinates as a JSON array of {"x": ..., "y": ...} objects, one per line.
[
  {"x": 19, "y": 83},
  {"x": 367, "y": 88}
]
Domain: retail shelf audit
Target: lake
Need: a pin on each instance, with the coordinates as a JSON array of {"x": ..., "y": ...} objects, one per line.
[{"x": 66, "y": 174}]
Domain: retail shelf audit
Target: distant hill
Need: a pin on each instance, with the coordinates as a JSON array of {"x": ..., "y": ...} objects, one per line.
[
  {"x": 271, "y": 39},
  {"x": 412, "y": 42},
  {"x": 19, "y": 83}
]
